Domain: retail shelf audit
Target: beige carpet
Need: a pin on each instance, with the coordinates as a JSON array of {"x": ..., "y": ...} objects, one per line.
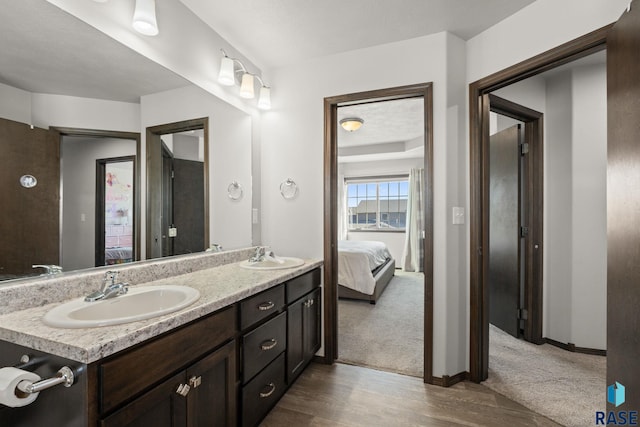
[
  {"x": 388, "y": 335},
  {"x": 564, "y": 386}
]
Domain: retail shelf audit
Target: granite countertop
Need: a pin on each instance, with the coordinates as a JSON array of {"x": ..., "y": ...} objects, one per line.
[{"x": 219, "y": 287}]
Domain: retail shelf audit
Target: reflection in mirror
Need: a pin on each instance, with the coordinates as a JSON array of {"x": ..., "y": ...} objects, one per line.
[
  {"x": 72, "y": 76},
  {"x": 115, "y": 209},
  {"x": 85, "y": 230},
  {"x": 177, "y": 176}
]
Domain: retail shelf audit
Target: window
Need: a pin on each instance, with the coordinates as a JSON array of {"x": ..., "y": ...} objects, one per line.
[{"x": 377, "y": 204}]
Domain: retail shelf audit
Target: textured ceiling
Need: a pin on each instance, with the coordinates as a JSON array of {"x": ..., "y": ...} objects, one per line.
[
  {"x": 279, "y": 32},
  {"x": 45, "y": 50}
]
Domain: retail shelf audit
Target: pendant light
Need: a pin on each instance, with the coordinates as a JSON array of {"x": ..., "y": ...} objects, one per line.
[{"x": 144, "y": 17}]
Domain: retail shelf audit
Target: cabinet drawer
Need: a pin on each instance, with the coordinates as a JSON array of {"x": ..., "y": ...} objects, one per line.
[
  {"x": 261, "y": 306},
  {"x": 263, "y": 344},
  {"x": 127, "y": 375},
  {"x": 301, "y": 285},
  {"x": 263, "y": 392}
]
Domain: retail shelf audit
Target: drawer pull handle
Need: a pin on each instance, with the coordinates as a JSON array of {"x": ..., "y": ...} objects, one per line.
[
  {"x": 265, "y": 394},
  {"x": 268, "y": 344},
  {"x": 183, "y": 390},
  {"x": 308, "y": 303},
  {"x": 195, "y": 382},
  {"x": 266, "y": 306}
]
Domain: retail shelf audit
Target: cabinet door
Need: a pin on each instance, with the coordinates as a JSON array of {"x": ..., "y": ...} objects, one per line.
[
  {"x": 212, "y": 398},
  {"x": 303, "y": 333},
  {"x": 311, "y": 324},
  {"x": 159, "y": 407},
  {"x": 295, "y": 343}
]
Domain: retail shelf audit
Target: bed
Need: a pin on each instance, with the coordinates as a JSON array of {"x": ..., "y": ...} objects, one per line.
[{"x": 365, "y": 268}]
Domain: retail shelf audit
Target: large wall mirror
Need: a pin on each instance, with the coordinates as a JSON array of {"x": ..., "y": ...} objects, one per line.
[{"x": 68, "y": 77}]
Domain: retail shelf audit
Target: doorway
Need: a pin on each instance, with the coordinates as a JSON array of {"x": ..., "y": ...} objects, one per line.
[
  {"x": 177, "y": 188},
  {"x": 115, "y": 210},
  {"x": 83, "y": 240},
  {"x": 479, "y": 218},
  {"x": 332, "y": 104}
]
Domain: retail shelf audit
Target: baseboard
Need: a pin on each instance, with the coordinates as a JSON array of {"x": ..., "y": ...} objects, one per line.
[
  {"x": 572, "y": 348},
  {"x": 320, "y": 359},
  {"x": 448, "y": 381}
]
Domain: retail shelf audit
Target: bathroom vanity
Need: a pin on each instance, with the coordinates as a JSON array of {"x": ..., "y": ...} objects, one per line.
[{"x": 225, "y": 360}]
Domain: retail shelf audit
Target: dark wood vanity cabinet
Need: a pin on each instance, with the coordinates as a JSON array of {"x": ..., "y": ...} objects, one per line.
[
  {"x": 227, "y": 368},
  {"x": 200, "y": 360},
  {"x": 303, "y": 327}
]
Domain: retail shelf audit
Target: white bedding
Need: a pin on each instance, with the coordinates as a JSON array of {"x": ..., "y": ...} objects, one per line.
[{"x": 356, "y": 260}]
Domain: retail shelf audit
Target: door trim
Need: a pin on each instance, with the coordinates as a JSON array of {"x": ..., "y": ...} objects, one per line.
[
  {"x": 478, "y": 174},
  {"x": 331, "y": 104},
  {"x": 65, "y": 131}
]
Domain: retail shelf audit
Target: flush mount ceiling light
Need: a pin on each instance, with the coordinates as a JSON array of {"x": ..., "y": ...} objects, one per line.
[
  {"x": 144, "y": 17},
  {"x": 351, "y": 124},
  {"x": 227, "y": 77}
]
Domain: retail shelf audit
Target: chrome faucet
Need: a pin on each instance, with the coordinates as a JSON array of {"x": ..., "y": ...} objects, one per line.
[
  {"x": 261, "y": 253},
  {"x": 49, "y": 268},
  {"x": 110, "y": 289}
]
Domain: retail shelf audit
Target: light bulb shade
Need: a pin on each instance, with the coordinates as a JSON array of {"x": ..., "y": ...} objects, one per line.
[
  {"x": 351, "y": 124},
  {"x": 144, "y": 17},
  {"x": 246, "y": 89},
  {"x": 227, "y": 75},
  {"x": 264, "y": 101}
]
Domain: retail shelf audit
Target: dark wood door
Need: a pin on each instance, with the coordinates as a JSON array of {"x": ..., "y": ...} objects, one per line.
[
  {"x": 623, "y": 205},
  {"x": 188, "y": 206},
  {"x": 504, "y": 229},
  {"x": 30, "y": 225},
  {"x": 160, "y": 407},
  {"x": 212, "y": 398}
]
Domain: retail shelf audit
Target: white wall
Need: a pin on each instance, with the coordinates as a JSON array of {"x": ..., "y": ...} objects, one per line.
[
  {"x": 292, "y": 146},
  {"x": 229, "y": 156},
  {"x": 15, "y": 104},
  {"x": 589, "y": 236},
  {"x": 78, "y": 174}
]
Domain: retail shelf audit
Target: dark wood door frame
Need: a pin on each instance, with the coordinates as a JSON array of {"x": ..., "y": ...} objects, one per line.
[
  {"x": 331, "y": 105},
  {"x": 65, "y": 131},
  {"x": 154, "y": 172},
  {"x": 533, "y": 176},
  {"x": 479, "y": 177}
]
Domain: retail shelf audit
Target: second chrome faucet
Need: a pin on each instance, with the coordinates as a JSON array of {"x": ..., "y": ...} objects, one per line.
[{"x": 110, "y": 289}]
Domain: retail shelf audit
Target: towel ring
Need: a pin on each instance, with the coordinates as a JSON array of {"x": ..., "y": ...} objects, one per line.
[
  {"x": 235, "y": 191},
  {"x": 288, "y": 188}
]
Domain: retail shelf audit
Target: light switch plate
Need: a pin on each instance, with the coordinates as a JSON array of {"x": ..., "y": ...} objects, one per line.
[
  {"x": 458, "y": 215},
  {"x": 173, "y": 232}
]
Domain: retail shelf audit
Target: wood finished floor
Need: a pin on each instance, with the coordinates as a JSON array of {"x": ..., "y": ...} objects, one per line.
[{"x": 346, "y": 395}]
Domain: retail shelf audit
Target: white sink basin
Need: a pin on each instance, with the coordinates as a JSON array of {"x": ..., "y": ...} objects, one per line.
[
  {"x": 287, "y": 262},
  {"x": 138, "y": 304}
]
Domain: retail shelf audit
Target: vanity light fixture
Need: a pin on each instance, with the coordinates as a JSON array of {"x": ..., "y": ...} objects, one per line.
[
  {"x": 351, "y": 124},
  {"x": 227, "y": 77},
  {"x": 144, "y": 17}
]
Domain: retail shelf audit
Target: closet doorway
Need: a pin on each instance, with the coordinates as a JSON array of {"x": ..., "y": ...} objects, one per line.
[{"x": 360, "y": 195}]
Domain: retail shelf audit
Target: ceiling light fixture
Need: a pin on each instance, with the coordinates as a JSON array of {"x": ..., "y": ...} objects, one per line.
[
  {"x": 144, "y": 17},
  {"x": 351, "y": 124},
  {"x": 227, "y": 77}
]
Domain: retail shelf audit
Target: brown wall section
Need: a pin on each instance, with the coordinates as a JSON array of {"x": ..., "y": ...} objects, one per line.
[{"x": 29, "y": 217}]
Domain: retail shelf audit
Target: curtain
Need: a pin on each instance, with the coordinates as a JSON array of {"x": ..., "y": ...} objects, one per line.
[
  {"x": 343, "y": 221},
  {"x": 413, "y": 255}
]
